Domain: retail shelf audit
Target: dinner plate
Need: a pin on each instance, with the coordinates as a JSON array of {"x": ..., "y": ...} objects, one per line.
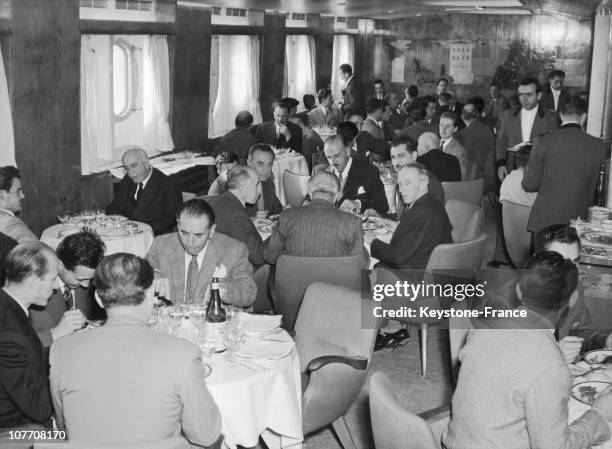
[
  {"x": 601, "y": 237},
  {"x": 587, "y": 392},
  {"x": 265, "y": 350},
  {"x": 597, "y": 356}
]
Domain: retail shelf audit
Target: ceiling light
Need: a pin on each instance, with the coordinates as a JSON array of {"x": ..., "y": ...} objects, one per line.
[
  {"x": 479, "y": 8},
  {"x": 390, "y": 11}
]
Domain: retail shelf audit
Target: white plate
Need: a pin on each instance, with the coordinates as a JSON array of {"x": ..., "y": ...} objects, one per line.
[
  {"x": 597, "y": 356},
  {"x": 265, "y": 350},
  {"x": 593, "y": 387}
]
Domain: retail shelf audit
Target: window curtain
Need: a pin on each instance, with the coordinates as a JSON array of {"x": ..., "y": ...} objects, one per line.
[
  {"x": 214, "y": 83},
  {"x": 253, "y": 85},
  {"x": 343, "y": 53},
  {"x": 7, "y": 137},
  {"x": 300, "y": 67},
  {"x": 156, "y": 105}
]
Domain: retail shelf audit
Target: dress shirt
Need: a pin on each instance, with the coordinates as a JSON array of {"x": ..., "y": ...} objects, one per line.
[
  {"x": 324, "y": 110},
  {"x": 556, "y": 94},
  {"x": 63, "y": 286},
  {"x": 8, "y": 211},
  {"x": 527, "y": 119},
  {"x": 342, "y": 176},
  {"x": 144, "y": 184},
  {"x": 199, "y": 258}
]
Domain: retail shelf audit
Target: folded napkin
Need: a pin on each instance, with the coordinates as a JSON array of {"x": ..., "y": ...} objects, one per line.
[{"x": 259, "y": 323}]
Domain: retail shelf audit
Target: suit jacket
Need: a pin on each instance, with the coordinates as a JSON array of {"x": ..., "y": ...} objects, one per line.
[
  {"x": 509, "y": 132},
  {"x": 16, "y": 228},
  {"x": 479, "y": 142},
  {"x": 434, "y": 188},
  {"x": 6, "y": 245},
  {"x": 24, "y": 383},
  {"x": 44, "y": 319},
  {"x": 363, "y": 183},
  {"x": 421, "y": 228},
  {"x": 330, "y": 120},
  {"x": 415, "y": 130},
  {"x": 156, "y": 205},
  {"x": 237, "y": 141},
  {"x": 369, "y": 147},
  {"x": 232, "y": 219},
  {"x": 271, "y": 202},
  {"x": 316, "y": 230},
  {"x": 398, "y": 119},
  {"x": 455, "y": 148},
  {"x": 495, "y": 108},
  {"x": 370, "y": 126},
  {"x": 354, "y": 99},
  {"x": 266, "y": 133},
  {"x": 444, "y": 166},
  {"x": 562, "y": 168},
  {"x": 548, "y": 100},
  {"x": 126, "y": 383},
  {"x": 167, "y": 257}
]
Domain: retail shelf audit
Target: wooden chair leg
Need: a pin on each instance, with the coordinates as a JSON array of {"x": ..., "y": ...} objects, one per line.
[
  {"x": 343, "y": 433},
  {"x": 423, "y": 335}
]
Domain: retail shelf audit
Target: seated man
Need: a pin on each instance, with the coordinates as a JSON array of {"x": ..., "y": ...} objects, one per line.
[
  {"x": 11, "y": 197},
  {"x": 125, "y": 383},
  {"x": 423, "y": 225},
  {"x": 365, "y": 146},
  {"x": 231, "y": 213},
  {"x": 185, "y": 261},
  {"x": 73, "y": 302},
  {"x": 362, "y": 188},
  {"x": 416, "y": 125},
  {"x": 31, "y": 272},
  {"x": 448, "y": 143},
  {"x": 374, "y": 111},
  {"x": 325, "y": 116},
  {"x": 318, "y": 229},
  {"x": 514, "y": 385},
  {"x": 224, "y": 163},
  {"x": 261, "y": 158},
  {"x": 239, "y": 139},
  {"x": 146, "y": 194},
  {"x": 445, "y": 166},
  {"x": 311, "y": 141},
  {"x": 511, "y": 188},
  {"x": 398, "y": 117},
  {"x": 280, "y": 132}
]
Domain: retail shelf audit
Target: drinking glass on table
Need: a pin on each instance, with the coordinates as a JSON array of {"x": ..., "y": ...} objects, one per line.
[{"x": 232, "y": 337}]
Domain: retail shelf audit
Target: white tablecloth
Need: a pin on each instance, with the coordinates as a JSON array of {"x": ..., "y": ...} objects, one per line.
[
  {"x": 384, "y": 237},
  {"x": 137, "y": 244},
  {"x": 170, "y": 164},
  {"x": 295, "y": 163},
  {"x": 264, "y": 401}
]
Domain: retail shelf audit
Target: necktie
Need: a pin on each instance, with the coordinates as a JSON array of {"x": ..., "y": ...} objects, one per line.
[
  {"x": 192, "y": 276},
  {"x": 340, "y": 178},
  {"x": 139, "y": 191},
  {"x": 442, "y": 143},
  {"x": 69, "y": 299},
  {"x": 260, "y": 202}
]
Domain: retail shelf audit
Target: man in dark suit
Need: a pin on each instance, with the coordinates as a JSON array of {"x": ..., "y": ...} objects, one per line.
[
  {"x": 318, "y": 229},
  {"x": 365, "y": 146},
  {"x": 146, "y": 194},
  {"x": 562, "y": 168},
  {"x": 231, "y": 215},
  {"x": 398, "y": 118},
  {"x": 353, "y": 90},
  {"x": 418, "y": 125},
  {"x": 522, "y": 124},
  {"x": 497, "y": 104},
  {"x": 374, "y": 111},
  {"x": 362, "y": 188},
  {"x": 280, "y": 132},
  {"x": 25, "y": 401},
  {"x": 444, "y": 166},
  {"x": 477, "y": 138},
  {"x": 553, "y": 93},
  {"x": 239, "y": 139},
  {"x": 73, "y": 302},
  {"x": 379, "y": 90},
  {"x": 261, "y": 158},
  {"x": 423, "y": 225},
  {"x": 6, "y": 244}
]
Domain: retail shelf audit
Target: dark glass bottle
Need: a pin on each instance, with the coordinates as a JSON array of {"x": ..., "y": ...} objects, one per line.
[
  {"x": 600, "y": 190},
  {"x": 215, "y": 313}
]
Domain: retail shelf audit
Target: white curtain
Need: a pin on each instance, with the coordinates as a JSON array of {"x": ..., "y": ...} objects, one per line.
[
  {"x": 156, "y": 105},
  {"x": 214, "y": 83},
  {"x": 253, "y": 85},
  {"x": 344, "y": 53},
  {"x": 7, "y": 137},
  {"x": 300, "y": 67}
]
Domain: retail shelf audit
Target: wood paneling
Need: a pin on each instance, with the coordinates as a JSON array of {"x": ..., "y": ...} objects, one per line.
[
  {"x": 324, "y": 42},
  {"x": 45, "y": 77},
  {"x": 272, "y": 62},
  {"x": 191, "y": 78}
]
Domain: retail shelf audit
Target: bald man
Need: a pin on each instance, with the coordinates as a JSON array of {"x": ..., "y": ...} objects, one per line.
[
  {"x": 445, "y": 166},
  {"x": 146, "y": 194}
]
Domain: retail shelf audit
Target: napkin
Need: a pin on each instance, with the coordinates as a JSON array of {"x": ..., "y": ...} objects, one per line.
[{"x": 259, "y": 323}]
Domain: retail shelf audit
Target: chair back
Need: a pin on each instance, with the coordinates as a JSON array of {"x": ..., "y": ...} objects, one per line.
[
  {"x": 470, "y": 170},
  {"x": 393, "y": 426},
  {"x": 171, "y": 443},
  {"x": 516, "y": 236},
  {"x": 466, "y": 219},
  {"x": 296, "y": 188},
  {"x": 330, "y": 323},
  {"x": 464, "y": 256},
  {"x": 468, "y": 191},
  {"x": 295, "y": 273}
]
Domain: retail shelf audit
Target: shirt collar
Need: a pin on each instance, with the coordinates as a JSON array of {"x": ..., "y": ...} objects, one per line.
[
  {"x": 144, "y": 183},
  {"x": 8, "y": 211},
  {"x": 531, "y": 112},
  {"x": 199, "y": 257},
  {"x": 346, "y": 169}
]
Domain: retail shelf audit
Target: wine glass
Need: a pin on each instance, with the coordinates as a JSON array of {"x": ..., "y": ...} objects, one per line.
[{"x": 232, "y": 337}]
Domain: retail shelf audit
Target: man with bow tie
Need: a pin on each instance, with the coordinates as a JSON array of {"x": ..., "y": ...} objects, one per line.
[
  {"x": 146, "y": 194},
  {"x": 280, "y": 132}
]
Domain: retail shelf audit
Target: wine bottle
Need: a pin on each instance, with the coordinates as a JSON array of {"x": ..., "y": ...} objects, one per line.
[
  {"x": 215, "y": 313},
  {"x": 600, "y": 192}
]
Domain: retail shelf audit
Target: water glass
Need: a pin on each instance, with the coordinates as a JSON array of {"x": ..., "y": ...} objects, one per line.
[{"x": 232, "y": 337}]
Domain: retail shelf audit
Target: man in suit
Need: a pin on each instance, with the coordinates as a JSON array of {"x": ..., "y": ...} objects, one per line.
[
  {"x": 365, "y": 146},
  {"x": 411, "y": 99},
  {"x": 239, "y": 139},
  {"x": 448, "y": 143},
  {"x": 146, "y": 194},
  {"x": 31, "y": 273},
  {"x": 318, "y": 229},
  {"x": 441, "y": 86},
  {"x": 186, "y": 261},
  {"x": 423, "y": 225},
  {"x": 353, "y": 90},
  {"x": 444, "y": 166},
  {"x": 563, "y": 168},
  {"x": 522, "y": 124},
  {"x": 361, "y": 186},
  {"x": 11, "y": 197},
  {"x": 398, "y": 117},
  {"x": 444, "y": 103},
  {"x": 417, "y": 126},
  {"x": 379, "y": 90},
  {"x": 6, "y": 245},
  {"x": 374, "y": 111},
  {"x": 311, "y": 141},
  {"x": 324, "y": 115},
  {"x": 497, "y": 104},
  {"x": 477, "y": 138},
  {"x": 261, "y": 158},
  {"x": 280, "y": 132},
  {"x": 73, "y": 302},
  {"x": 553, "y": 93},
  {"x": 125, "y": 383}
]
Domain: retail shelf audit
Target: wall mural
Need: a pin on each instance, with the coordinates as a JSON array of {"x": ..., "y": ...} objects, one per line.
[{"x": 523, "y": 60}]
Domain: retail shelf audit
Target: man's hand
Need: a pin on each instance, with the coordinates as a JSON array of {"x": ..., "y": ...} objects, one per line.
[
  {"x": 161, "y": 286},
  {"x": 371, "y": 213},
  {"x": 570, "y": 347},
  {"x": 72, "y": 320},
  {"x": 502, "y": 172},
  {"x": 603, "y": 403}
]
